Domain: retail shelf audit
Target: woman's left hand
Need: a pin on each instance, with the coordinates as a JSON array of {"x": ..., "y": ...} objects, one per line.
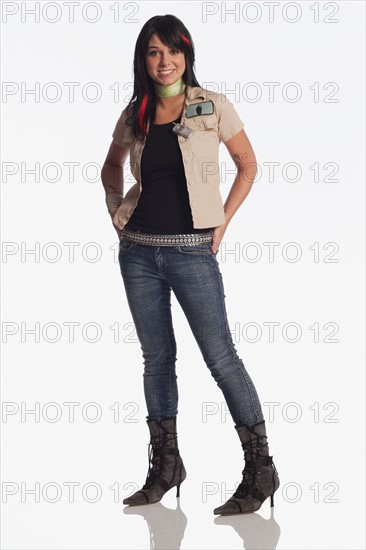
[{"x": 217, "y": 236}]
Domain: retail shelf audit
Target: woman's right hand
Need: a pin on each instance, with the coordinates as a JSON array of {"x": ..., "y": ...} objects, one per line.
[{"x": 118, "y": 230}]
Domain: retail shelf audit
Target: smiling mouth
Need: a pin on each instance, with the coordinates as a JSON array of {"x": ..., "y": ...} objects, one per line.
[{"x": 166, "y": 72}]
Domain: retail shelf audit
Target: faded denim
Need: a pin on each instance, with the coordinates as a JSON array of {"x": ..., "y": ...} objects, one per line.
[{"x": 149, "y": 274}]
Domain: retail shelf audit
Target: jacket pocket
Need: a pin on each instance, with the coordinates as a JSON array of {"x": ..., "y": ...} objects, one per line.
[{"x": 204, "y": 122}]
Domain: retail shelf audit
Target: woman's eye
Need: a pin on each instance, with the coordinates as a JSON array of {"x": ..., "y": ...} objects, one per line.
[{"x": 153, "y": 52}]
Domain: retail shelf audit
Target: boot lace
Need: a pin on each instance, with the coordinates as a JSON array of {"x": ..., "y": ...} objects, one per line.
[
  {"x": 248, "y": 480},
  {"x": 251, "y": 452},
  {"x": 154, "y": 459}
]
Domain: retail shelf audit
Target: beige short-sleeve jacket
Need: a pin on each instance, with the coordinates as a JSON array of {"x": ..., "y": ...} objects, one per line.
[{"x": 200, "y": 155}]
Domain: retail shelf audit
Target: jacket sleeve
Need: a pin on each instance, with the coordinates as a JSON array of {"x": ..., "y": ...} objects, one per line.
[
  {"x": 122, "y": 132},
  {"x": 229, "y": 120}
]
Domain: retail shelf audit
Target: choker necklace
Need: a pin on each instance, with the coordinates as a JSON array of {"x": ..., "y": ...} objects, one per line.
[{"x": 169, "y": 90}]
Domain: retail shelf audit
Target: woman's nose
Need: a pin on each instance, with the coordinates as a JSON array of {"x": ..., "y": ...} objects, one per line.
[{"x": 164, "y": 59}]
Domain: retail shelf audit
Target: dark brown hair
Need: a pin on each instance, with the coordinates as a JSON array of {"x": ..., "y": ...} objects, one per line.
[{"x": 173, "y": 33}]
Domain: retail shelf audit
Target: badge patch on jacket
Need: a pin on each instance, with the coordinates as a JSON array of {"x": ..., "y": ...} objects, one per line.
[{"x": 199, "y": 109}]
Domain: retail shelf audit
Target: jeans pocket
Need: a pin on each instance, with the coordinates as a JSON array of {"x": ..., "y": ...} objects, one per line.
[
  {"x": 199, "y": 249},
  {"x": 125, "y": 245}
]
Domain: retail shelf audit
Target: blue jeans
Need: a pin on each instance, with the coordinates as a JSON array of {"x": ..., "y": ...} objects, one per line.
[{"x": 149, "y": 274}]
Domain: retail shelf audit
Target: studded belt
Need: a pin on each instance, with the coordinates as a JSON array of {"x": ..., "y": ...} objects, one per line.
[{"x": 186, "y": 239}]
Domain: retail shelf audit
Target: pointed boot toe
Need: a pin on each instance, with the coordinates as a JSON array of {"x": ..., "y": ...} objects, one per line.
[
  {"x": 136, "y": 499},
  {"x": 230, "y": 507}
]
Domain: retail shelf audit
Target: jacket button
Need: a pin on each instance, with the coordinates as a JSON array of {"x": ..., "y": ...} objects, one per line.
[
  {"x": 193, "y": 204},
  {"x": 202, "y": 125},
  {"x": 186, "y": 159},
  {"x": 181, "y": 138},
  {"x": 190, "y": 182}
]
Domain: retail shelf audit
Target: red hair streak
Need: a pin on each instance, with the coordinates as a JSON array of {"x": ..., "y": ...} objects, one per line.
[
  {"x": 140, "y": 117},
  {"x": 186, "y": 40}
]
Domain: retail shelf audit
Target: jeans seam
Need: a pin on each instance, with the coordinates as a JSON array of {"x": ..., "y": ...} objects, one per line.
[
  {"x": 237, "y": 361},
  {"x": 170, "y": 412}
]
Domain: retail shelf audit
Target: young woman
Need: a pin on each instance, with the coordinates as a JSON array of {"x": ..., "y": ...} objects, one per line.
[{"x": 170, "y": 225}]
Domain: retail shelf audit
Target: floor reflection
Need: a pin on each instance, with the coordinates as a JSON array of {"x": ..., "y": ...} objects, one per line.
[
  {"x": 256, "y": 532},
  {"x": 166, "y": 525}
]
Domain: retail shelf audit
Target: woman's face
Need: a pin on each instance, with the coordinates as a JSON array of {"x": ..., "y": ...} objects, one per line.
[{"x": 161, "y": 58}]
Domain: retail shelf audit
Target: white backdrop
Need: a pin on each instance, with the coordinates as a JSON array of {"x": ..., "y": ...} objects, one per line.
[{"x": 73, "y": 409}]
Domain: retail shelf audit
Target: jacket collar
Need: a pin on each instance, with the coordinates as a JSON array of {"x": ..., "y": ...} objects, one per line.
[
  {"x": 195, "y": 92},
  {"x": 192, "y": 92}
]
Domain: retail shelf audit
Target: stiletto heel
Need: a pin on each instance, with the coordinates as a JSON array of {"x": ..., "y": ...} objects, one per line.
[
  {"x": 182, "y": 477},
  {"x": 272, "y": 499}
]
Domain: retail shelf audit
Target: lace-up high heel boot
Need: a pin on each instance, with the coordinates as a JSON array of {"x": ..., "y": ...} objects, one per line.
[
  {"x": 260, "y": 477},
  {"x": 166, "y": 468}
]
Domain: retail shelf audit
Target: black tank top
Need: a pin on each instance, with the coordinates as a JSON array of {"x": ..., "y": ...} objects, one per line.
[{"x": 163, "y": 206}]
